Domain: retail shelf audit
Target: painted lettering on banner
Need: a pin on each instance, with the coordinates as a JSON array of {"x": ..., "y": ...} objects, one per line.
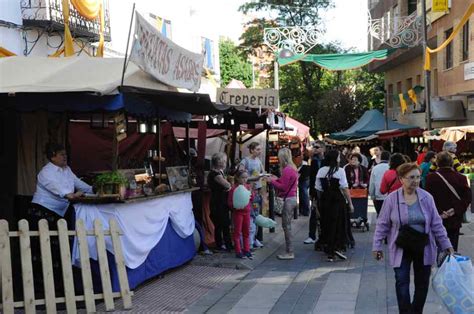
[
  {"x": 163, "y": 59},
  {"x": 252, "y": 98}
]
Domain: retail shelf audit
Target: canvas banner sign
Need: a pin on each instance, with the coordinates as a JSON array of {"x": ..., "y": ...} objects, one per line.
[{"x": 163, "y": 59}]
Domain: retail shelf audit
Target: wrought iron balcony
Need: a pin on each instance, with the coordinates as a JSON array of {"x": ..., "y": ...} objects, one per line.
[{"x": 48, "y": 14}]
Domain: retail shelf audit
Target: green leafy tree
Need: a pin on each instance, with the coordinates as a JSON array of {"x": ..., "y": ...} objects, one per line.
[
  {"x": 327, "y": 101},
  {"x": 233, "y": 64}
]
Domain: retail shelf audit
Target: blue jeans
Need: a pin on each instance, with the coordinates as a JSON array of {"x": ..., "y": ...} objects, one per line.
[
  {"x": 402, "y": 283},
  {"x": 303, "y": 190}
]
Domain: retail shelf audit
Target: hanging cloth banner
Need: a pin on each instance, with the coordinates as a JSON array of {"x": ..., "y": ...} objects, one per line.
[
  {"x": 6, "y": 53},
  {"x": 339, "y": 62},
  {"x": 68, "y": 42},
  {"x": 163, "y": 59},
  {"x": 455, "y": 32},
  {"x": 403, "y": 103},
  {"x": 90, "y": 10}
]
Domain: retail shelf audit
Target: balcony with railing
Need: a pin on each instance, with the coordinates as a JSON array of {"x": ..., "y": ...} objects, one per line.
[{"x": 48, "y": 14}]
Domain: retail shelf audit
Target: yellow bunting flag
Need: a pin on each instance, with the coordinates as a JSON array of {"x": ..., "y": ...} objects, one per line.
[
  {"x": 159, "y": 24},
  {"x": 439, "y": 5},
  {"x": 412, "y": 95},
  {"x": 403, "y": 103},
  {"x": 455, "y": 32}
]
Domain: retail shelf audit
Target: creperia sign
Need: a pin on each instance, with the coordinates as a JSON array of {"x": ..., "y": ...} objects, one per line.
[{"x": 251, "y": 98}]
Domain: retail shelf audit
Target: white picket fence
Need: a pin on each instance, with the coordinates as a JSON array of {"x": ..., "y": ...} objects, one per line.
[{"x": 50, "y": 300}]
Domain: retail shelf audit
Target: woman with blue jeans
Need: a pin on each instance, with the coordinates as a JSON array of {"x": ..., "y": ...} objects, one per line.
[{"x": 416, "y": 208}]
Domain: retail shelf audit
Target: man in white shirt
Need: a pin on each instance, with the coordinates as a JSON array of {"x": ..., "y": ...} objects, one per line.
[
  {"x": 56, "y": 186},
  {"x": 375, "y": 180}
]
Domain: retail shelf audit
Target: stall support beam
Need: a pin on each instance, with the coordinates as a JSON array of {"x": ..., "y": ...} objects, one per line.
[
  {"x": 188, "y": 146},
  {"x": 158, "y": 147}
]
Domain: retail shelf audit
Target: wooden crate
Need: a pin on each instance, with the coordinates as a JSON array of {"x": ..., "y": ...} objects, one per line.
[{"x": 50, "y": 300}]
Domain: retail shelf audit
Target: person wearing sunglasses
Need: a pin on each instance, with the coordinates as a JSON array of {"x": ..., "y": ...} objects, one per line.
[{"x": 410, "y": 210}]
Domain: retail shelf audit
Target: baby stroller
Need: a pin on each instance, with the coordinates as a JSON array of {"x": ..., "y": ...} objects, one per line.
[{"x": 360, "y": 200}]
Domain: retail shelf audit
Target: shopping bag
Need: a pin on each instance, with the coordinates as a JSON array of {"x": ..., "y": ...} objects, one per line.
[
  {"x": 265, "y": 222},
  {"x": 453, "y": 283},
  {"x": 278, "y": 205}
]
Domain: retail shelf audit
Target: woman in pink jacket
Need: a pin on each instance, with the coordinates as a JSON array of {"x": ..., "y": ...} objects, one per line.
[{"x": 286, "y": 187}]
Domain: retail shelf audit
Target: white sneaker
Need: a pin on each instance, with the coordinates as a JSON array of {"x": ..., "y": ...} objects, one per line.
[
  {"x": 309, "y": 241},
  {"x": 257, "y": 243},
  {"x": 340, "y": 255}
]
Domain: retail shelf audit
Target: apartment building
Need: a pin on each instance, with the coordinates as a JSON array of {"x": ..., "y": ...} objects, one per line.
[
  {"x": 36, "y": 28},
  {"x": 452, "y": 75}
]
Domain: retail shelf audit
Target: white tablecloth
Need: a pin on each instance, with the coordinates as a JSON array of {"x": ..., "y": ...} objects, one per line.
[{"x": 143, "y": 224}]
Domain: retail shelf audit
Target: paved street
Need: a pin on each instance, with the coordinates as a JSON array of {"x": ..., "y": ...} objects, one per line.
[{"x": 308, "y": 284}]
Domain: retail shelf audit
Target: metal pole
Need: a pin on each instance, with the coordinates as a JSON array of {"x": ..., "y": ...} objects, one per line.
[
  {"x": 385, "y": 108},
  {"x": 128, "y": 42},
  {"x": 253, "y": 72},
  {"x": 427, "y": 72},
  {"x": 276, "y": 78}
]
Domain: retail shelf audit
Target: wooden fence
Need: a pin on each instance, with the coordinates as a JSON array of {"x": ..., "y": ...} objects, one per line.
[{"x": 70, "y": 298}]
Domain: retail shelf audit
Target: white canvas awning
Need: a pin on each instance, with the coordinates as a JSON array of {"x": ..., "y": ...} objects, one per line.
[{"x": 73, "y": 74}]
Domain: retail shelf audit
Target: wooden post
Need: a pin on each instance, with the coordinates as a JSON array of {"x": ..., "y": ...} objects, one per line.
[
  {"x": 158, "y": 144},
  {"x": 85, "y": 266},
  {"x": 103, "y": 266},
  {"x": 26, "y": 267},
  {"x": 68, "y": 279},
  {"x": 47, "y": 266},
  {"x": 120, "y": 263},
  {"x": 6, "y": 269},
  {"x": 115, "y": 151}
]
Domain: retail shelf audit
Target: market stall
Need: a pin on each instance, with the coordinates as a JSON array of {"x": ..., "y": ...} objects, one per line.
[{"x": 46, "y": 104}]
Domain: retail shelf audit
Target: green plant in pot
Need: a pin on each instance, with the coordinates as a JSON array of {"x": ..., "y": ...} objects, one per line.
[{"x": 111, "y": 183}]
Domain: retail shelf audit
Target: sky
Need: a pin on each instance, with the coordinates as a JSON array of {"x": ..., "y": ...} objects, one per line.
[{"x": 346, "y": 23}]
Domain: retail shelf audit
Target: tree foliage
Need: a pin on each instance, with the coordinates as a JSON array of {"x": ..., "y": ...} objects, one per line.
[
  {"x": 233, "y": 64},
  {"x": 326, "y": 101}
]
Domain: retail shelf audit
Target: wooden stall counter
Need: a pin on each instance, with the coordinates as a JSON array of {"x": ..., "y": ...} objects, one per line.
[{"x": 108, "y": 199}]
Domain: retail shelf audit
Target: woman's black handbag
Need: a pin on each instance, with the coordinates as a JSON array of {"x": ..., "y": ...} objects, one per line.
[{"x": 410, "y": 239}]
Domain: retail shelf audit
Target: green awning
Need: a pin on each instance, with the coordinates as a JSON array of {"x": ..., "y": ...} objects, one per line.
[{"x": 339, "y": 62}]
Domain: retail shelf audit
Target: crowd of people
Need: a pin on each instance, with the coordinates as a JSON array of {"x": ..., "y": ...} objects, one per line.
[{"x": 424, "y": 198}]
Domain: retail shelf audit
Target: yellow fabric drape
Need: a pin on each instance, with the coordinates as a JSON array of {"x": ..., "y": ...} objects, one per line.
[
  {"x": 412, "y": 95},
  {"x": 6, "y": 53},
  {"x": 88, "y": 8},
  {"x": 100, "y": 48},
  {"x": 403, "y": 103},
  {"x": 68, "y": 42},
  {"x": 455, "y": 32}
]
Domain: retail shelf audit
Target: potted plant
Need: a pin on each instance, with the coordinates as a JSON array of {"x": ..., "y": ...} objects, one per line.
[{"x": 111, "y": 183}]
